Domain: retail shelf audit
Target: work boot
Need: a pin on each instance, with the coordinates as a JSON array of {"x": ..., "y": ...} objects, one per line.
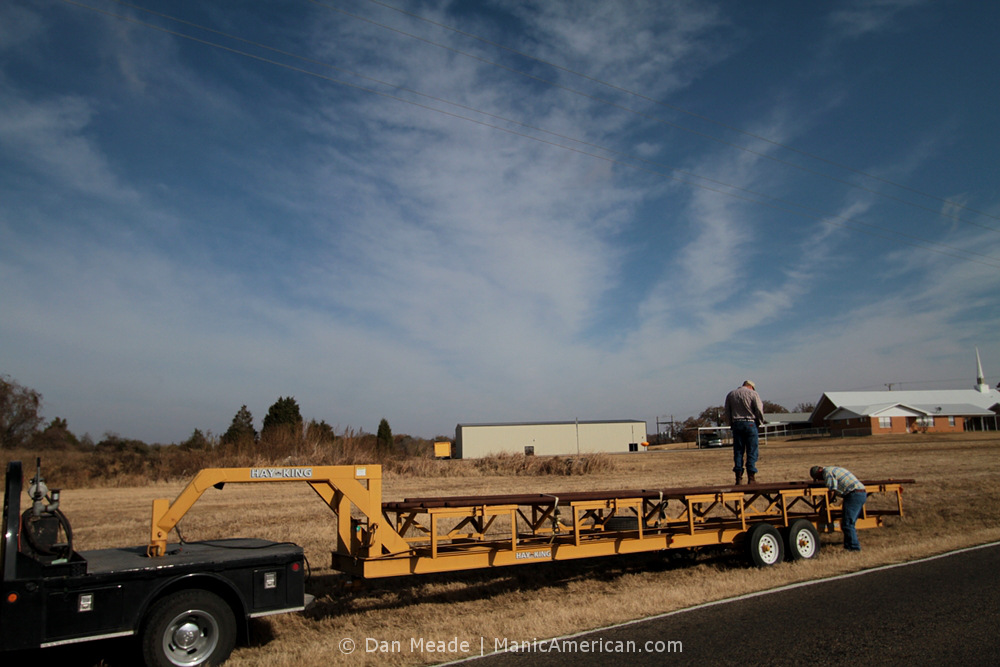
[
  {"x": 751, "y": 477},
  {"x": 739, "y": 478}
]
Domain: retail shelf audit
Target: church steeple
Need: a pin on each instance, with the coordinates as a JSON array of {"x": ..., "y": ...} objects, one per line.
[{"x": 981, "y": 385}]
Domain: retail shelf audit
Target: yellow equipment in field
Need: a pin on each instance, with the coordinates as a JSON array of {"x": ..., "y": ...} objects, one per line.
[{"x": 421, "y": 535}]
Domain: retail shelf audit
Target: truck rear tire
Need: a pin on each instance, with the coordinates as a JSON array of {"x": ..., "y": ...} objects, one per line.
[
  {"x": 189, "y": 628},
  {"x": 764, "y": 545},
  {"x": 801, "y": 540}
]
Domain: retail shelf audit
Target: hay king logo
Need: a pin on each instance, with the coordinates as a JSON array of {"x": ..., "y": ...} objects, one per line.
[{"x": 280, "y": 473}]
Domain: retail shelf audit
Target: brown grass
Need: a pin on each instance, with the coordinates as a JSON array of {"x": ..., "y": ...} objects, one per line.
[
  {"x": 134, "y": 467},
  {"x": 953, "y": 504}
]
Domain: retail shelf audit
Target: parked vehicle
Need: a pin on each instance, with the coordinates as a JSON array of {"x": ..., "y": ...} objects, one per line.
[
  {"x": 710, "y": 439},
  {"x": 187, "y": 607}
]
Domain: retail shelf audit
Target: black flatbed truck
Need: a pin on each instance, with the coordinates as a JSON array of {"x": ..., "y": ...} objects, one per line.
[{"x": 186, "y": 607}]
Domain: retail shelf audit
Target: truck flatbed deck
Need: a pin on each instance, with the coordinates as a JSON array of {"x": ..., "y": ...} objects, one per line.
[{"x": 202, "y": 554}]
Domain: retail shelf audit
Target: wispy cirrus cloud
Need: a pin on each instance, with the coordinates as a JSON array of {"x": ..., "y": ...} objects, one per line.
[
  {"x": 184, "y": 230},
  {"x": 859, "y": 17}
]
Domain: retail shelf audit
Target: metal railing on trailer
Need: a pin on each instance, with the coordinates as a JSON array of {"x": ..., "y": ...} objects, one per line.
[{"x": 470, "y": 532}]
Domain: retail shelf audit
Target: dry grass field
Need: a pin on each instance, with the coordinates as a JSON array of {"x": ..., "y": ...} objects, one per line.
[{"x": 953, "y": 504}]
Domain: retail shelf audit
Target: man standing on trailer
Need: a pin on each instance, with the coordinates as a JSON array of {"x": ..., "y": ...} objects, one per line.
[
  {"x": 744, "y": 413},
  {"x": 844, "y": 484}
]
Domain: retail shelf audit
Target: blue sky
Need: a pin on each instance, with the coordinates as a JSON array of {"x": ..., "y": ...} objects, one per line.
[{"x": 460, "y": 212}]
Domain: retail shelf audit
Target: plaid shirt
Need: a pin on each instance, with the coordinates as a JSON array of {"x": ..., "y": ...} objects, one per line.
[
  {"x": 841, "y": 481},
  {"x": 743, "y": 403}
]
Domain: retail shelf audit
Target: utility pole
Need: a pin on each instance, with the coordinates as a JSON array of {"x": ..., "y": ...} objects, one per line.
[{"x": 671, "y": 432}]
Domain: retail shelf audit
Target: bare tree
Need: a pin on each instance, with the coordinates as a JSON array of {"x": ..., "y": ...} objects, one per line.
[
  {"x": 772, "y": 408},
  {"x": 19, "y": 418}
]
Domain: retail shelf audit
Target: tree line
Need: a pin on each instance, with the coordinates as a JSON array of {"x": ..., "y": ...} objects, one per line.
[
  {"x": 283, "y": 428},
  {"x": 284, "y": 432}
]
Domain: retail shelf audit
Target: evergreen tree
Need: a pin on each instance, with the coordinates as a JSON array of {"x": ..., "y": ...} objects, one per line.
[
  {"x": 55, "y": 436},
  {"x": 320, "y": 432},
  {"x": 198, "y": 440},
  {"x": 383, "y": 439},
  {"x": 284, "y": 414},
  {"x": 241, "y": 429}
]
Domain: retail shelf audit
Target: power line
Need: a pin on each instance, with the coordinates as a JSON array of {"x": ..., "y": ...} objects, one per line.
[
  {"x": 657, "y": 119},
  {"x": 678, "y": 109},
  {"x": 890, "y": 385},
  {"x": 772, "y": 202},
  {"x": 815, "y": 214}
]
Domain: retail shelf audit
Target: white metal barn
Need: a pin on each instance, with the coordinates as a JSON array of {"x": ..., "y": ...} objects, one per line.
[{"x": 474, "y": 441}]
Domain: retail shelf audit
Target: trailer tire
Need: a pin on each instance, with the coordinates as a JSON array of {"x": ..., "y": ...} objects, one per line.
[
  {"x": 188, "y": 628},
  {"x": 801, "y": 540},
  {"x": 764, "y": 545}
]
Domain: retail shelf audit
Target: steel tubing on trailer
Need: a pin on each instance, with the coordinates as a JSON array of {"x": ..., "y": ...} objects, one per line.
[
  {"x": 538, "y": 499},
  {"x": 701, "y": 509},
  {"x": 529, "y": 499}
]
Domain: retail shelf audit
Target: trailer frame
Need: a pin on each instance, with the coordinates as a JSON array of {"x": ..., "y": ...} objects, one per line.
[{"x": 453, "y": 533}]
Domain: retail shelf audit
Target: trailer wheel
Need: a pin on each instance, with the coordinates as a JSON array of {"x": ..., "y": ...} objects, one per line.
[
  {"x": 764, "y": 547},
  {"x": 802, "y": 540},
  {"x": 189, "y": 628}
]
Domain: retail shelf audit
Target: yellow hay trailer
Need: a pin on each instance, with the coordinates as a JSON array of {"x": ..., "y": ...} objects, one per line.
[{"x": 421, "y": 535}]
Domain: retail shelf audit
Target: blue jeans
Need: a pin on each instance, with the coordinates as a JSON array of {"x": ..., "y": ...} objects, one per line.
[
  {"x": 744, "y": 442},
  {"x": 853, "y": 503}
]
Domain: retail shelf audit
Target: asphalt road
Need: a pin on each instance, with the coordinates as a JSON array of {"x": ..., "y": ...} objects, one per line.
[{"x": 931, "y": 612}]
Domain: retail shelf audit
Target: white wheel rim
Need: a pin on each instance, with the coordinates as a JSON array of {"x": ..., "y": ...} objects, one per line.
[
  {"x": 805, "y": 544},
  {"x": 768, "y": 549}
]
